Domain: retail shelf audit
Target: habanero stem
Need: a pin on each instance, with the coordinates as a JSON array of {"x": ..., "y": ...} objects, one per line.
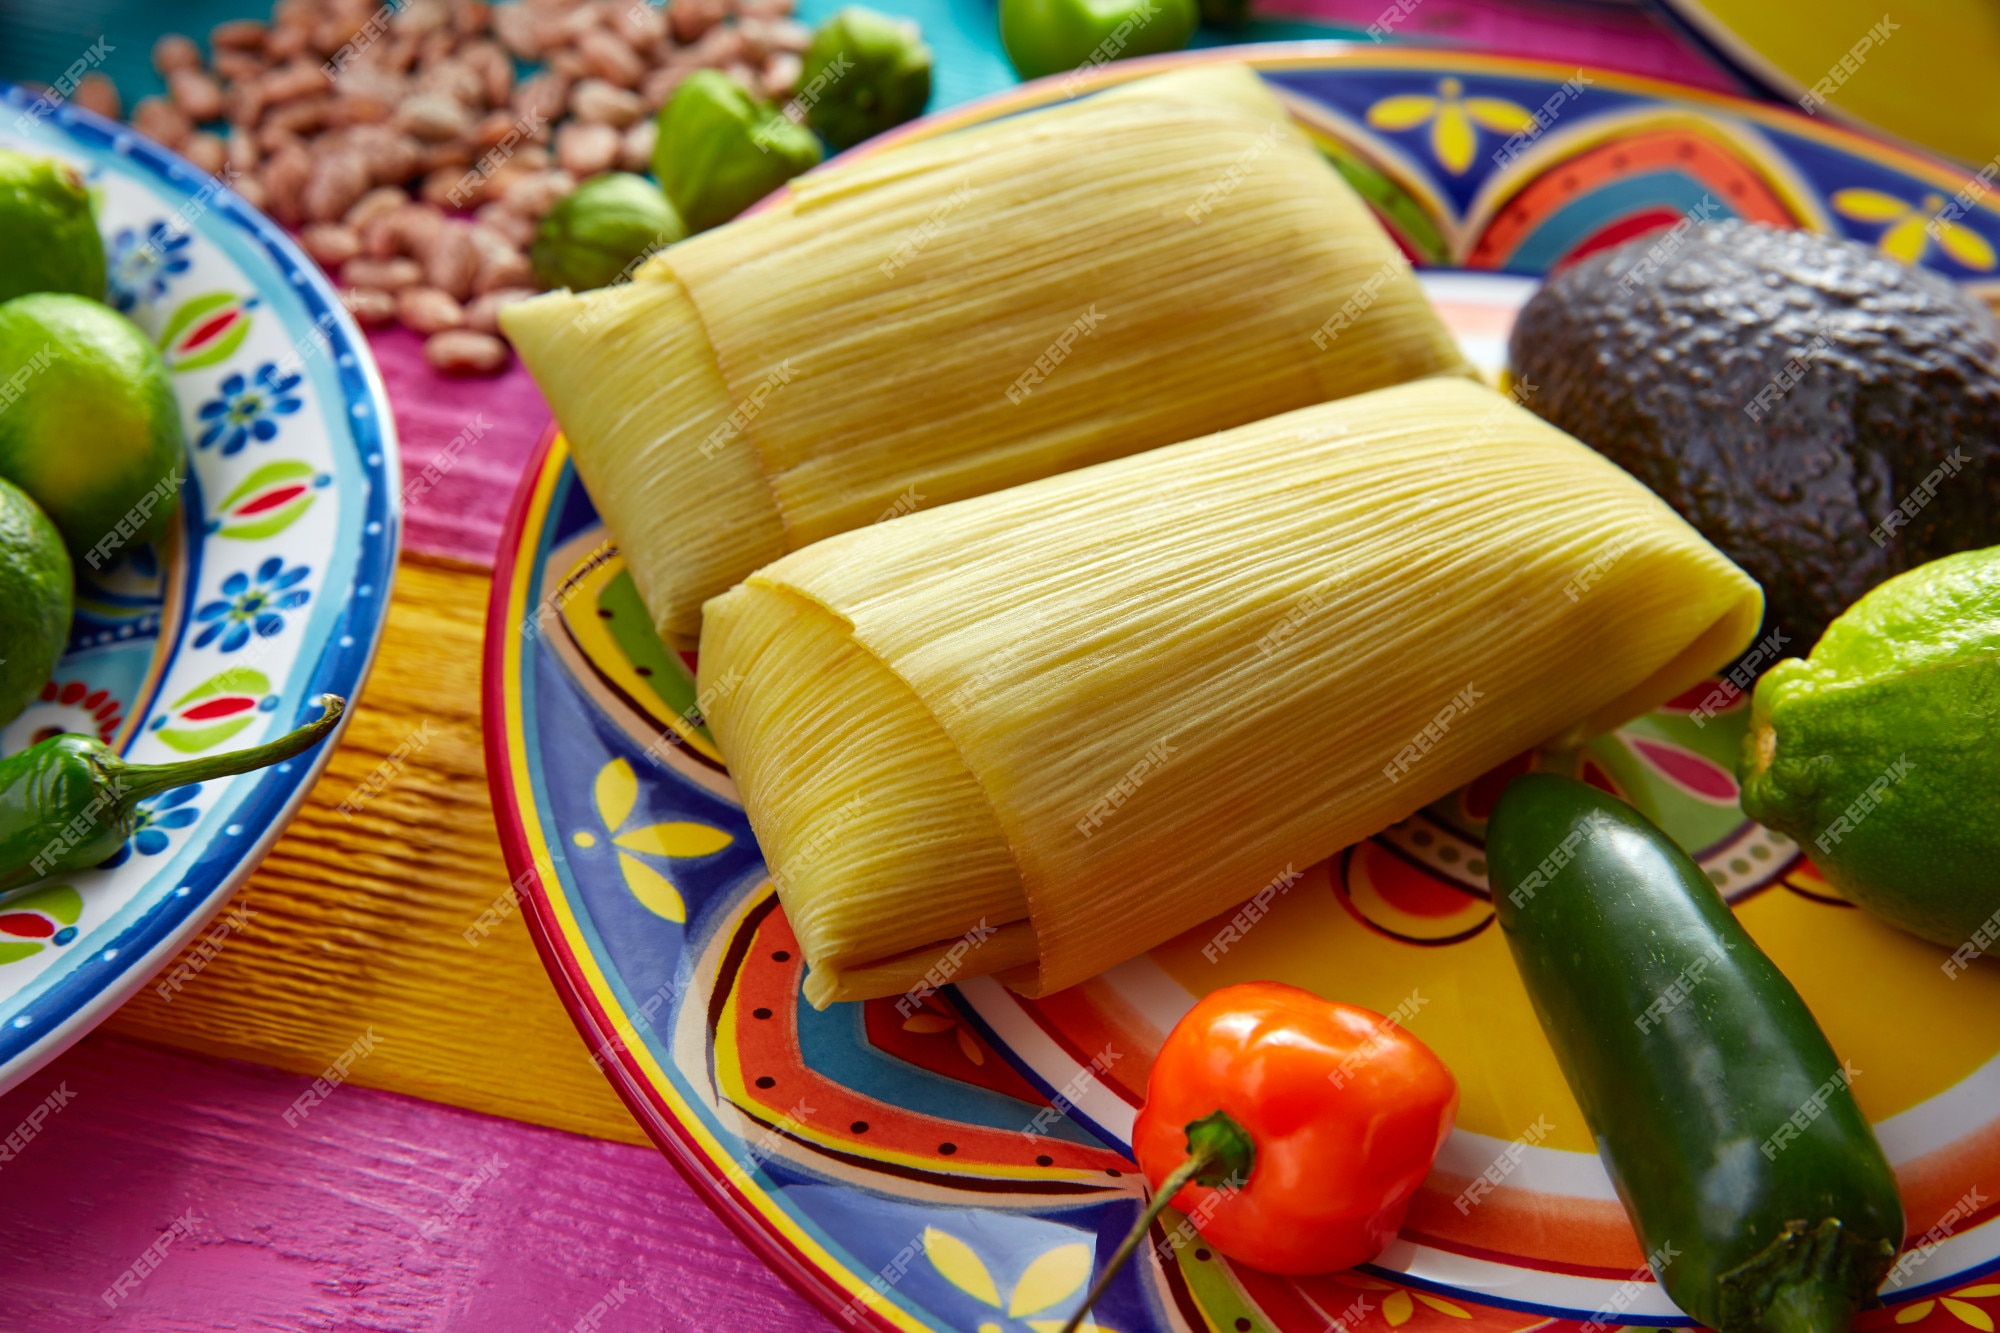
[{"x": 1219, "y": 1151}]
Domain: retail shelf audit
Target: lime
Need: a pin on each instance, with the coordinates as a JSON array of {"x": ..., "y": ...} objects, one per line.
[
  {"x": 88, "y": 423},
  {"x": 1880, "y": 752},
  {"x": 35, "y": 596},
  {"x": 46, "y": 229}
]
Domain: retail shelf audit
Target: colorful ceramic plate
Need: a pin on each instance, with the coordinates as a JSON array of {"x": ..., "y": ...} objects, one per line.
[
  {"x": 897, "y": 1158},
  {"x": 1917, "y": 72},
  {"x": 269, "y": 591}
]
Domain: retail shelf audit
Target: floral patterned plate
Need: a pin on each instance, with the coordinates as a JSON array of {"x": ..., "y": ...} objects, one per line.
[
  {"x": 269, "y": 591},
  {"x": 958, "y": 1160}
]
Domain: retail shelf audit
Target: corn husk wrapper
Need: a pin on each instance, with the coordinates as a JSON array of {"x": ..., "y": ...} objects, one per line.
[
  {"x": 950, "y": 317},
  {"x": 1088, "y": 713}
]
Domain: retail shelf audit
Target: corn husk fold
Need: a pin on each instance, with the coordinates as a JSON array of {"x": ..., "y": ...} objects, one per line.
[
  {"x": 953, "y": 316},
  {"x": 1092, "y": 711}
]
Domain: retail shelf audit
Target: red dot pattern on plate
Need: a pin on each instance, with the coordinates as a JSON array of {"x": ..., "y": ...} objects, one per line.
[{"x": 76, "y": 694}]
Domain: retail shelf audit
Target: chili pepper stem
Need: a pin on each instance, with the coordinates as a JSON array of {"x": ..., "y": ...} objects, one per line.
[
  {"x": 1198, "y": 1161},
  {"x": 1220, "y": 1152},
  {"x": 1806, "y": 1310},
  {"x": 138, "y": 781}
]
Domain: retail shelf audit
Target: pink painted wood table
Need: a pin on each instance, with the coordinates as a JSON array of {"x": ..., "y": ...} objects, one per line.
[
  {"x": 421, "y": 1142},
  {"x": 471, "y": 1170}
]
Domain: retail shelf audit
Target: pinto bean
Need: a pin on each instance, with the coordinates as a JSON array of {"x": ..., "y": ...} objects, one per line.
[
  {"x": 599, "y": 102},
  {"x": 338, "y": 181},
  {"x": 331, "y": 244},
  {"x": 389, "y": 275},
  {"x": 452, "y": 261},
  {"x": 238, "y": 35},
  {"x": 483, "y": 315},
  {"x": 207, "y": 151},
  {"x": 195, "y": 92},
  {"x": 161, "y": 121},
  {"x": 585, "y": 150},
  {"x": 463, "y": 352},
  {"x": 427, "y": 310},
  {"x": 173, "y": 52},
  {"x": 96, "y": 92}
]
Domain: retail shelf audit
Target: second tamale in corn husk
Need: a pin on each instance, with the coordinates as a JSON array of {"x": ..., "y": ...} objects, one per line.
[{"x": 1075, "y": 718}]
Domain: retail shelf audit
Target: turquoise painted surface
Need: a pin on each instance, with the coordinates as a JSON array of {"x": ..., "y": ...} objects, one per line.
[{"x": 40, "y": 38}]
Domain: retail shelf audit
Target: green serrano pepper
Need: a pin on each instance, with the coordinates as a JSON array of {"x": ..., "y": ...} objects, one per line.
[
  {"x": 1721, "y": 1112},
  {"x": 69, "y": 802}
]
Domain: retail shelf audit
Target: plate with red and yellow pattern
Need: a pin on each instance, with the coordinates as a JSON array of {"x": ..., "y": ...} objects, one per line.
[{"x": 958, "y": 1158}]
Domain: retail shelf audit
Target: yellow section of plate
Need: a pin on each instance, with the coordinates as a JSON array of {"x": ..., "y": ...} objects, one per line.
[
  {"x": 1878, "y": 994},
  {"x": 1925, "y": 76}
]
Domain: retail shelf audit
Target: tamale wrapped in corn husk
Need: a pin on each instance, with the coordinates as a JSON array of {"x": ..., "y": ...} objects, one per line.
[
  {"x": 1069, "y": 720},
  {"x": 953, "y": 316}
]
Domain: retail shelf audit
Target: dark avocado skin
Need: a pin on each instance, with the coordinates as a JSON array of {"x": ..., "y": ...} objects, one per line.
[{"x": 1656, "y": 375}]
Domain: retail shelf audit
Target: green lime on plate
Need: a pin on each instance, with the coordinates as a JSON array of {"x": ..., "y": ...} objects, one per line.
[
  {"x": 36, "y": 592},
  {"x": 47, "y": 230},
  {"x": 1880, "y": 752},
  {"x": 88, "y": 423}
]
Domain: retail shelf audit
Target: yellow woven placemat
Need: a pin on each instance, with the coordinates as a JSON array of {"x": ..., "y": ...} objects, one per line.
[{"x": 356, "y": 920}]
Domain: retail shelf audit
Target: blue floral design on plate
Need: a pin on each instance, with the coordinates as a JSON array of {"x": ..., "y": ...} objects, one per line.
[
  {"x": 136, "y": 271},
  {"x": 252, "y": 602},
  {"x": 170, "y": 809},
  {"x": 245, "y": 410}
]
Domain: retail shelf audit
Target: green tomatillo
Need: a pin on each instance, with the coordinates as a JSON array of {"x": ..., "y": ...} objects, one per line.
[
  {"x": 1045, "y": 37},
  {"x": 602, "y": 230},
  {"x": 720, "y": 150},
  {"x": 864, "y": 73}
]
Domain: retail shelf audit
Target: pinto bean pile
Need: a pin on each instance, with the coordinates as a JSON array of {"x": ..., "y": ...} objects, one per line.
[{"x": 398, "y": 142}]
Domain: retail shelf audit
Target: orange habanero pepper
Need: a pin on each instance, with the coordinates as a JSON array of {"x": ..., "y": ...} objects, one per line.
[{"x": 1290, "y": 1129}]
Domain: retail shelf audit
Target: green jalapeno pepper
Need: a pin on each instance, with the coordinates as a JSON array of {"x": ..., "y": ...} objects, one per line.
[
  {"x": 70, "y": 801},
  {"x": 1761, "y": 1198}
]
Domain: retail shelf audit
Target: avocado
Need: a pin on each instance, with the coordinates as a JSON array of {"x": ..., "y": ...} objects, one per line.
[{"x": 1825, "y": 415}]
